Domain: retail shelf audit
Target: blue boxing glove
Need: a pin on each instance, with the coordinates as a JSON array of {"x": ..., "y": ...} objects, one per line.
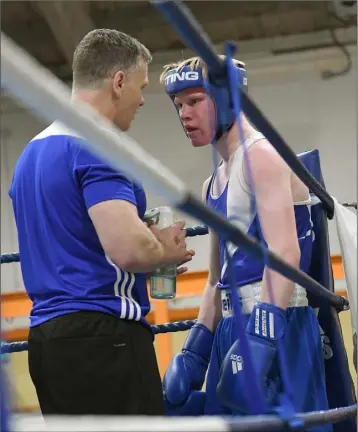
[
  {"x": 266, "y": 325},
  {"x": 186, "y": 374}
]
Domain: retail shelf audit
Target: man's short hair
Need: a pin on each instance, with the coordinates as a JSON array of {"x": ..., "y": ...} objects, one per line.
[{"x": 103, "y": 52}]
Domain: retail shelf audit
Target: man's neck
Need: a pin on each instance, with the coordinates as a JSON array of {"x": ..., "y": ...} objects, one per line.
[
  {"x": 231, "y": 141},
  {"x": 97, "y": 100}
]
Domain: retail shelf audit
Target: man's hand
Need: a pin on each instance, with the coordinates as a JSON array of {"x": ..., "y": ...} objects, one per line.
[
  {"x": 172, "y": 239},
  {"x": 181, "y": 270},
  {"x": 130, "y": 243}
]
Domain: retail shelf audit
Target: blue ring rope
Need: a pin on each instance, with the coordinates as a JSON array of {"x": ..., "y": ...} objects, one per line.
[
  {"x": 173, "y": 327},
  {"x": 194, "y": 231},
  {"x": 253, "y": 248},
  {"x": 10, "y": 258},
  {"x": 190, "y": 232}
]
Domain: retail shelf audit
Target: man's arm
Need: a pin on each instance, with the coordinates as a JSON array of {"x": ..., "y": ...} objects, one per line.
[
  {"x": 210, "y": 307},
  {"x": 272, "y": 184},
  {"x": 125, "y": 238},
  {"x": 112, "y": 206}
]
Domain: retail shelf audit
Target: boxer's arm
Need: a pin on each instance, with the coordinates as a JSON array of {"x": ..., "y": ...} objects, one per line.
[
  {"x": 272, "y": 187},
  {"x": 185, "y": 374},
  {"x": 272, "y": 183},
  {"x": 210, "y": 307}
]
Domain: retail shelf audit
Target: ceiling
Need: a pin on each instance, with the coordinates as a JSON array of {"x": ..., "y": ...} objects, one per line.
[{"x": 49, "y": 30}]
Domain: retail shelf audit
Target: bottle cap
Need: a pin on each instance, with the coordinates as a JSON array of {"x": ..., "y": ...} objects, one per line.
[{"x": 152, "y": 215}]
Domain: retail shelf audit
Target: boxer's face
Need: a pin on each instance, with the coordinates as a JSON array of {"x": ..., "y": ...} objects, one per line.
[
  {"x": 128, "y": 94},
  {"x": 197, "y": 113}
]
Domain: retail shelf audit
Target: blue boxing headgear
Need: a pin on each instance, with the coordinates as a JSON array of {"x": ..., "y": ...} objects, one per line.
[{"x": 187, "y": 77}]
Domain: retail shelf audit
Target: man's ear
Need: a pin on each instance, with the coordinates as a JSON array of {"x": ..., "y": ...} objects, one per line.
[{"x": 118, "y": 82}]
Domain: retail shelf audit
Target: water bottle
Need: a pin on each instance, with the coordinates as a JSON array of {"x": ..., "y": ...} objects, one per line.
[{"x": 162, "y": 280}]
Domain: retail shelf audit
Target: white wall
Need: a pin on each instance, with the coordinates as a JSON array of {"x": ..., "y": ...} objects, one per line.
[{"x": 308, "y": 112}]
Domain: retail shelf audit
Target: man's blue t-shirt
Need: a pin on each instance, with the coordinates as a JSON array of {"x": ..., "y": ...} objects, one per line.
[{"x": 64, "y": 267}]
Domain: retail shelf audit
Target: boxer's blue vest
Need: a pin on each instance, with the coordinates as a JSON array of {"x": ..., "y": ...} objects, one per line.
[{"x": 340, "y": 388}]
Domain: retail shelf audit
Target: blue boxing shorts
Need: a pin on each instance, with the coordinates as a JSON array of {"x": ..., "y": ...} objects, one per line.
[{"x": 302, "y": 348}]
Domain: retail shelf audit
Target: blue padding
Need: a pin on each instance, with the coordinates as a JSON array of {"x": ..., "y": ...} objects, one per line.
[
  {"x": 340, "y": 389},
  {"x": 185, "y": 78}
]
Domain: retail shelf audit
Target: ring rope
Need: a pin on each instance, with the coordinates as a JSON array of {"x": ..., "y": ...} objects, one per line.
[
  {"x": 262, "y": 423},
  {"x": 190, "y": 232},
  {"x": 10, "y": 258},
  {"x": 311, "y": 419},
  {"x": 311, "y": 285},
  {"x": 173, "y": 327}
]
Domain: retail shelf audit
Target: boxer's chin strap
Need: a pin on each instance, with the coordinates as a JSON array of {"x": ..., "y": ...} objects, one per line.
[
  {"x": 286, "y": 408},
  {"x": 255, "y": 398}
]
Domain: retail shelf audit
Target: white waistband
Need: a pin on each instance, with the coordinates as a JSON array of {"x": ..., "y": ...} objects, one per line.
[{"x": 250, "y": 294}]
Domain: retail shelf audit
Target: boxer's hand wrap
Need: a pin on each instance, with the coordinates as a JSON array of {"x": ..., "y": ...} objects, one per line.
[
  {"x": 266, "y": 325},
  {"x": 186, "y": 373}
]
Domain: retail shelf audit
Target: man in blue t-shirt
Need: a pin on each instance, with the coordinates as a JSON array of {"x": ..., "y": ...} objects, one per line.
[{"x": 85, "y": 250}]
